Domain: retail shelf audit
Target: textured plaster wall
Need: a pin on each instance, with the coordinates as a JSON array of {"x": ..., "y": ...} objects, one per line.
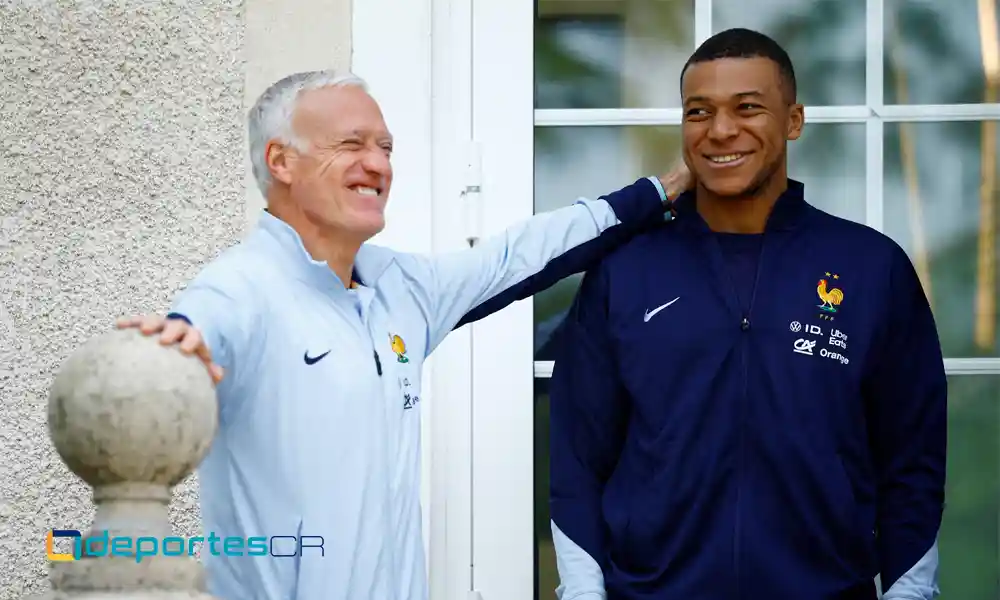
[{"x": 121, "y": 173}]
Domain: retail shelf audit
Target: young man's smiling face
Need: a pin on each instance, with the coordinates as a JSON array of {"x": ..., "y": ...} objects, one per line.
[{"x": 739, "y": 114}]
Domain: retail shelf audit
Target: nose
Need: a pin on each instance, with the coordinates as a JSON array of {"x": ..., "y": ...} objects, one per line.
[
  {"x": 376, "y": 160},
  {"x": 723, "y": 127}
]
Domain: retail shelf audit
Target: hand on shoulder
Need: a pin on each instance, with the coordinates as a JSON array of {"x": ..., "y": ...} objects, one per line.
[{"x": 677, "y": 181}]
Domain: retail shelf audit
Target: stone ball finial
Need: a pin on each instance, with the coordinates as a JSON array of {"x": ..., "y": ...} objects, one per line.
[
  {"x": 126, "y": 409},
  {"x": 132, "y": 418}
]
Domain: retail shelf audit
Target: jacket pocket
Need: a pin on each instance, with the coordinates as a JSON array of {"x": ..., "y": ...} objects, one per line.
[{"x": 857, "y": 536}]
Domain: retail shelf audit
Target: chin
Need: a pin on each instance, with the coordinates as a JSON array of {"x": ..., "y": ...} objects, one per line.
[
  {"x": 369, "y": 225},
  {"x": 728, "y": 187}
]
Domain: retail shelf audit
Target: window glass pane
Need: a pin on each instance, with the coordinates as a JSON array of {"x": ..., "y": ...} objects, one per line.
[
  {"x": 969, "y": 548},
  {"x": 942, "y": 204},
  {"x": 571, "y": 162},
  {"x": 941, "y": 52},
  {"x": 546, "y": 574},
  {"x": 824, "y": 38},
  {"x": 611, "y": 53}
]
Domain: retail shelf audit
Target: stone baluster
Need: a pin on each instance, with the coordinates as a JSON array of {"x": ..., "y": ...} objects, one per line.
[{"x": 132, "y": 418}]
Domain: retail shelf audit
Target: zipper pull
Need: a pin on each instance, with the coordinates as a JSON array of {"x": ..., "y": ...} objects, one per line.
[{"x": 378, "y": 363}]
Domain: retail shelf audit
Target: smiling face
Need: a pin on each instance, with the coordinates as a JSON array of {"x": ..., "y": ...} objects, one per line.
[
  {"x": 341, "y": 175},
  {"x": 738, "y": 118}
]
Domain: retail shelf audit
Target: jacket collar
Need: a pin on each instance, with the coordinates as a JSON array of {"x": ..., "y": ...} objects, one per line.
[
  {"x": 369, "y": 265},
  {"x": 788, "y": 211}
]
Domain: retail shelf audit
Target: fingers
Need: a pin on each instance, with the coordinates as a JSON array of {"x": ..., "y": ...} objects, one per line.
[
  {"x": 216, "y": 372},
  {"x": 677, "y": 181},
  {"x": 190, "y": 341},
  {"x": 175, "y": 331},
  {"x": 151, "y": 324},
  {"x": 126, "y": 322}
]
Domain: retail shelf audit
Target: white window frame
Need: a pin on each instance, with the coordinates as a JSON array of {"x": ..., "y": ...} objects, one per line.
[
  {"x": 504, "y": 494},
  {"x": 447, "y": 72}
]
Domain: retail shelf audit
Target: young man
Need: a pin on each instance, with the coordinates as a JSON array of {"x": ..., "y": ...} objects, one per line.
[
  {"x": 763, "y": 416},
  {"x": 317, "y": 339}
]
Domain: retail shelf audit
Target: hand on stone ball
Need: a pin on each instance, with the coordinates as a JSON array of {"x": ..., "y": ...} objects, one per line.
[{"x": 175, "y": 331}]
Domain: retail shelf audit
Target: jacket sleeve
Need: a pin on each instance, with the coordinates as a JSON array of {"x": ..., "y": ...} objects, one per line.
[
  {"x": 532, "y": 255},
  {"x": 589, "y": 414},
  {"x": 587, "y": 254},
  {"x": 219, "y": 304},
  {"x": 906, "y": 397}
]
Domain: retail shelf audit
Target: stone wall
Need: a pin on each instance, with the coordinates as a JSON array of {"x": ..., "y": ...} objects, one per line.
[
  {"x": 121, "y": 173},
  {"x": 123, "y": 169}
]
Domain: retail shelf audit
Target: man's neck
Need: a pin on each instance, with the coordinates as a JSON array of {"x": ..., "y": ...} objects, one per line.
[
  {"x": 743, "y": 214},
  {"x": 323, "y": 245}
]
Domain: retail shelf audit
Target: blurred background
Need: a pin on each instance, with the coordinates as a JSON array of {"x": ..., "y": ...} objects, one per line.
[{"x": 938, "y": 195}]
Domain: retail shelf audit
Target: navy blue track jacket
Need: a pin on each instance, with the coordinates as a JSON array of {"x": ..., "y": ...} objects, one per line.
[{"x": 785, "y": 443}]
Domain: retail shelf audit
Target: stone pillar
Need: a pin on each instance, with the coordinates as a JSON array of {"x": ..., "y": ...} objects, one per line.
[{"x": 132, "y": 418}]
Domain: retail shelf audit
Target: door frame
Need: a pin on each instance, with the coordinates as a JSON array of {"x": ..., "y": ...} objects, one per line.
[{"x": 503, "y": 368}]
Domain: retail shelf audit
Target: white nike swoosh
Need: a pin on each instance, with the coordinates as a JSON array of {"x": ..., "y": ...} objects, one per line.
[{"x": 652, "y": 313}]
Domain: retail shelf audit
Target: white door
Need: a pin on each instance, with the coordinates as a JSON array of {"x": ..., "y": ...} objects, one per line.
[{"x": 580, "y": 97}]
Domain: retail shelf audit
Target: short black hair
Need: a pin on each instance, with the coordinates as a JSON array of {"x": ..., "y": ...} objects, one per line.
[{"x": 745, "y": 43}]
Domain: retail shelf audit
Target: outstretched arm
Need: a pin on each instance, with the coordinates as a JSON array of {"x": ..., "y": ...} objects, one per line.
[
  {"x": 566, "y": 240},
  {"x": 584, "y": 256}
]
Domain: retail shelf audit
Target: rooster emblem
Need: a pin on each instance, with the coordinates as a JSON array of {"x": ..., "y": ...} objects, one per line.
[
  {"x": 399, "y": 347},
  {"x": 831, "y": 298}
]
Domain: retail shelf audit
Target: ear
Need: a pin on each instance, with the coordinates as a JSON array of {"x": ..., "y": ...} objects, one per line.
[
  {"x": 279, "y": 161},
  {"x": 796, "y": 121}
]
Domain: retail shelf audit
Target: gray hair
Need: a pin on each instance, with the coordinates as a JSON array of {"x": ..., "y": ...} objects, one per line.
[{"x": 271, "y": 116}]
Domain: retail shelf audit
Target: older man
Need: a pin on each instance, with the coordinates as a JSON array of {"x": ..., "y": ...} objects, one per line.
[{"x": 322, "y": 336}]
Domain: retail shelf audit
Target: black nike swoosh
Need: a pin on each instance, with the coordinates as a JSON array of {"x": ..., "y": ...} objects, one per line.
[{"x": 315, "y": 359}]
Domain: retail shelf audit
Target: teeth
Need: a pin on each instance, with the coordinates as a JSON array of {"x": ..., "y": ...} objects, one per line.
[
  {"x": 366, "y": 191},
  {"x": 725, "y": 159}
]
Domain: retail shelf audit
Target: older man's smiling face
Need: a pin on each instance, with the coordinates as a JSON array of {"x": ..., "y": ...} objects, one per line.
[{"x": 341, "y": 180}]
